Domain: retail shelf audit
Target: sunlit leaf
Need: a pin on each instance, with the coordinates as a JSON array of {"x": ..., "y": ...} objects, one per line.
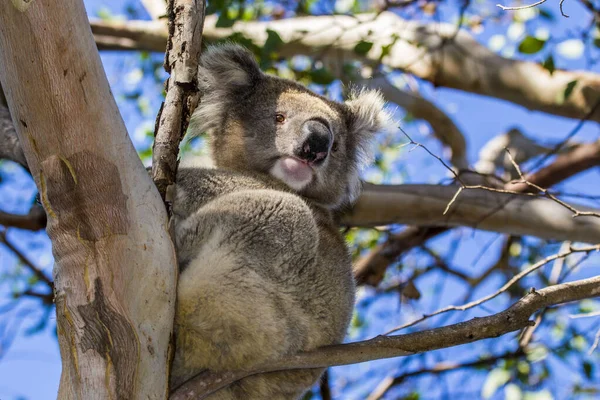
[
  {"x": 496, "y": 42},
  {"x": 515, "y": 31},
  {"x": 571, "y": 49},
  {"x": 541, "y": 395},
  {"x": 363, "y": 47},
  {"x": 548, "y": 64},
  {"x": 545, "y": 14},
  {"x": 224, "y": 21},
  {"x": 495, "y": 379},
  {"x": 588, "y": 369},
  {"x": 525, "y": 14},
  {"x": 579, "y": 342},
  {"x": 569, "y": 89},
  {"x": 273, "y": 42},
  {"x": 531, "y": 45},
  {"x": 512, "y": 392},
  {"x": 321, "y": 76}
]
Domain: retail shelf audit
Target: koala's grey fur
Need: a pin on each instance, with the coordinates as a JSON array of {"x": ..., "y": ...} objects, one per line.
[
  {"x": 264, "y": 269},
  {"x": 10, "y": 148}
]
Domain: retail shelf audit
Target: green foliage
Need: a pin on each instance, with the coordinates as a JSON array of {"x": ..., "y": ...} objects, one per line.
[
  {"x": 531, "y": 45},
  {"x": 363, "y": 47},
  {"x": 569, "y": 89},
  {"x": 497, "y": 378},
  {"x": 548, "y": 64},
  {"x": 321, "y": 76}
]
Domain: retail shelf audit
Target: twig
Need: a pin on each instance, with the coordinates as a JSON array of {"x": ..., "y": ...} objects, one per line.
[
  {"x": 515, "y": 8},
  {"x": 570, "y": 135},
  {"x": 186, "y": 20},
  {"x": 47, "y": 298},
  {"x": 324, "y": 387},
  {"x": 444, "y": 266},
  {"x": 503, "y": 289},
  {"x": 586, "y": 315},
  {"x": 441, "y": 368},
  {"x": 371, "y": 268},
  {"x": 512, "y": 319},
  {"x": 34, "y": 221},
  {"x": 36, "y": 271},
  {"x": 596, "y": 342},
  {"x": 416, "y": 144},
  {"x": 546, "y": 193}
]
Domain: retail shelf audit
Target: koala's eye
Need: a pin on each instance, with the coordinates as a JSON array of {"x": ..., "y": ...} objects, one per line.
[
  {"x": 280, "y": 118},
  {"x": 334, "y": 146}
]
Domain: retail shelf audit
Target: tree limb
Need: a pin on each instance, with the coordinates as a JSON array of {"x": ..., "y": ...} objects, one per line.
[
  {"x": 432, "y": 51},
  {"x": 480, "y": 208},
  {"x": 186, "y": 18},
  {"x": 514, "y": 318},
  {"x": 34, "y": 221},
  {"x": 371, "y": 268},
  {"x": 26, "y": 261},
  {"x": 115, "y": 266}
]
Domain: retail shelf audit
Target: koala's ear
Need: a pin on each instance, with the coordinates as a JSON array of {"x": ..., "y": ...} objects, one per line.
[
  {"x": 225, "y": 72},
  {"x": 227, "y": 68},
  {"x": 367, "y": 117}
]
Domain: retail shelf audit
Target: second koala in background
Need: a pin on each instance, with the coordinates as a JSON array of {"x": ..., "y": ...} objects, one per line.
[{"x": 264, "y": 270}]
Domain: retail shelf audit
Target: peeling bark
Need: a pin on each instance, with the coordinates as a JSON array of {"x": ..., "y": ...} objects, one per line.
[{"x": 115, "y": 269}]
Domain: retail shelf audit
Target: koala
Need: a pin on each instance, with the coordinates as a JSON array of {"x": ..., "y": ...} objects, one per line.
[{"x": 264, "y": 271}]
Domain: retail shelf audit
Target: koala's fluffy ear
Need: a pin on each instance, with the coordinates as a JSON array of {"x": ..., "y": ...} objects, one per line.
[
  {"x": 367, "y": 117},
  {"x": 225, "y": 73},
  {"x": 227, "y": 68}
]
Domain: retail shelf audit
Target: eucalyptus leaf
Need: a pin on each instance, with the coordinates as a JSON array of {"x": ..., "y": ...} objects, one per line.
[{"x": 531, "y": 45}]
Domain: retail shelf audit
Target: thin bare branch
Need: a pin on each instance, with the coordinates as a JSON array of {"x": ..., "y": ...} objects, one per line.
[
  {"x": 586, "y": 315},
  {"x": 514, "y": 8},
  {"x": 596, "y": 342},
  {"x": 34, "y": 221},
  {"x": 26, "y": 261},
  {"x": 514, "y": 318},
  {"x": 503, "y": 289},
  {"x": 324, "y": 387},
  {"x": 576, "y": 213},
  {"x": 442, "y": 126},
  {"x": 441, "y": 368},
  {"x": 371, "y": 268}
]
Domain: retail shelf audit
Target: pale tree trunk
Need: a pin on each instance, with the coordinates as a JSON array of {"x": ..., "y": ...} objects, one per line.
[{"x": 115, "y": 271}]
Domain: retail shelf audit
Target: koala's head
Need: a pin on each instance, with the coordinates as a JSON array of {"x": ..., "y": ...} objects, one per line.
[{"x": 267, "y": 124}]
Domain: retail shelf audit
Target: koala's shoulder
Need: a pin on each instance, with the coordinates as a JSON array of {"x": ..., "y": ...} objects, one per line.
[{"x": 195, "y": 187}]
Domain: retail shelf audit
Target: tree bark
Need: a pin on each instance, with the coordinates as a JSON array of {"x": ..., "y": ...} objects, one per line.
[
  {"x": 511, "y": 213},
  {"x": 432, "y": 51},
  {"x": 115, "y": 271}
]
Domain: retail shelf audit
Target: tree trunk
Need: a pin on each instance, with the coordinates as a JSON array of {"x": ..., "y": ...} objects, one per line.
[{"x": 115, "y": 271}]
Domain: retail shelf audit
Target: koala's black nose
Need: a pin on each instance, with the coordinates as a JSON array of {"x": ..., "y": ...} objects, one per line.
[{"x": 317, "y": 142}]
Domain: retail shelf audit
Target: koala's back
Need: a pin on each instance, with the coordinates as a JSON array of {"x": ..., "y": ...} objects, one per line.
[{"x": 264, "y": 274}]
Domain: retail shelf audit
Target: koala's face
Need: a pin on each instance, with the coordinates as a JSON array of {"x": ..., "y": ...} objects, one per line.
[{"x": 263, "y": 123}]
